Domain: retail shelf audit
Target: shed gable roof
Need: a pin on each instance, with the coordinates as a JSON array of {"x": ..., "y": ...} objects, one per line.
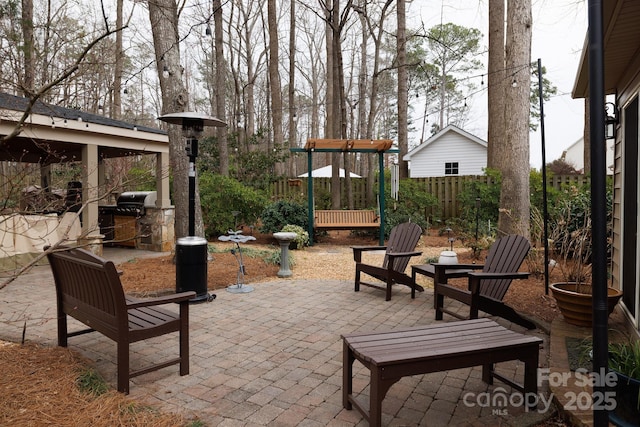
[{"x": 451, "y": 128}]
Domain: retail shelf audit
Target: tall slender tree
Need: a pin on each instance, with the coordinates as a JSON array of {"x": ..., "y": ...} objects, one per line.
[
  {"x": 163, "y": 15},
  {"x": 514, "y": 165},
  {"x": 116, "y": 108},
  {"x": 403, "y": 94},
  {"x": 375, "y": 30},
  {"x": 292, "y": 86},
  {"x": 274, "y": 77},
  {"x": 220, "y": 98},
  {"x": 28, "y": 83},
  {"x": 496, "y": 82}
]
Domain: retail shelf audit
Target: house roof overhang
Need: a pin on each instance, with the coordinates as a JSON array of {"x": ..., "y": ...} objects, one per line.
[{"x": 621, "y": 47}]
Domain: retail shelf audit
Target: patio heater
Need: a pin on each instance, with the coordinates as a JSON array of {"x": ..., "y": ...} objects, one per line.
[{"x": 191, "y": 251}]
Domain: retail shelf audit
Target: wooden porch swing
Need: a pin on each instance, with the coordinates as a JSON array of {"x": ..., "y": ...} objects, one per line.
[{"x": 346, "y": 219}]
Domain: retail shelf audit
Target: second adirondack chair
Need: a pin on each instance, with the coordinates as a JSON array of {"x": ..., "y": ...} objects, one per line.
[{"x": 488, "y": 286}]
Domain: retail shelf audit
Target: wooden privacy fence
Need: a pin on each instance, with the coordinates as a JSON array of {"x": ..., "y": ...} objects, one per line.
[{"x": 445, "y": 189}]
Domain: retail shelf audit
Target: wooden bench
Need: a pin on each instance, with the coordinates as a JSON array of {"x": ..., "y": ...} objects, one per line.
[
  {"x": 345, "y": 219},
  {"x": 394, "y": 354},
  {"x": 88, "y": 289}
]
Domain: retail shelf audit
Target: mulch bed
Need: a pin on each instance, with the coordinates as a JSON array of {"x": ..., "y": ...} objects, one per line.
[{"x": 39, "y": 387}]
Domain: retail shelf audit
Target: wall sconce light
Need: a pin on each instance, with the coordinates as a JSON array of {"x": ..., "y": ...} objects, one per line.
[{"x": 611, "y": 120}]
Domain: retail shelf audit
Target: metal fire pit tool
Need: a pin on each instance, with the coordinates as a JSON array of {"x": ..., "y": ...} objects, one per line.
[{"x": 237, "y": 238}]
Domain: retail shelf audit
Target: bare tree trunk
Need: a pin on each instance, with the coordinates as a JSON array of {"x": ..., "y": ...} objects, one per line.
[
  {"x": 514, "y": 197},
  {"x": 221, "y": 72},
  {"x": 331, "y": 17},
  {"x": 163, "y": 15},
  {"x": 338, "y": 102},
  {"x": 116, "y": 107},
  {"x": 496, "y": 80},
  {"x": 292, "y": 87},
  {"x": 403, "y": 95},
  {"x": 274, "y": 78},
  {"x": 28, "y": 85},
  {"x": 362, "y": 111},
  {"x": 372, "y": 165}
]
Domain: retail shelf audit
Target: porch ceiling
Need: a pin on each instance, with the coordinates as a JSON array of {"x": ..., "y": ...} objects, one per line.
[{"x": 30, "y": 150}]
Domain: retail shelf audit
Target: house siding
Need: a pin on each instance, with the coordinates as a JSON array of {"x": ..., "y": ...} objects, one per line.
[
  {"x": 450, "y": 147},
  {"x": 628, "y": 94}
]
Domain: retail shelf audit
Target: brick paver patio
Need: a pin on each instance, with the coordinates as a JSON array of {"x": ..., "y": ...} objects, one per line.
[{"x": 274, "y": 356}]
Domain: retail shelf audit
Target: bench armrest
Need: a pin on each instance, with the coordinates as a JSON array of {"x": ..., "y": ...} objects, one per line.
[{"x": 166, "y": 299}]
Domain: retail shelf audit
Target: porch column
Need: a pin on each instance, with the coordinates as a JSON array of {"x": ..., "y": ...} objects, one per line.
[
  {"x": 90, "y": 191},
  {"x": 162, "y": 180},
  {"x": 102, "y": 182}
]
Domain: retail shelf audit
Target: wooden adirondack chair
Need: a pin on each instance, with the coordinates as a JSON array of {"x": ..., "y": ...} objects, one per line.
[
  {"x": 399, "y": 250},
  {"x": 486, "y": 288}
]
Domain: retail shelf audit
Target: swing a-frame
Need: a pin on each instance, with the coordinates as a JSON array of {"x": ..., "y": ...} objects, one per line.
[{"x": 346, "y": 219}]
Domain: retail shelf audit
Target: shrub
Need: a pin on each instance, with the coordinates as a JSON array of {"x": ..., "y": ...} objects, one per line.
[
  {"x": 221, "y": 196},
  {"x": 302, "y": 238},
  {"x": 570, "y": 229},
  {"x": 412, "y": 204},
  {"x": 487, "y": 212},
  {"x": 281, "y": 213}
]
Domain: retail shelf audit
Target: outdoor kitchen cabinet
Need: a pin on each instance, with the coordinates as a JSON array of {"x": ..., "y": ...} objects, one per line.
[{"x": 120, "y": 223}]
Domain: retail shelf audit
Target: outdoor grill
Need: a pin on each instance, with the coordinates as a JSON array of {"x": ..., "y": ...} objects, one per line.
[
  {"x": 133, "y": 203},
  {"x": 119, "y": 223}
]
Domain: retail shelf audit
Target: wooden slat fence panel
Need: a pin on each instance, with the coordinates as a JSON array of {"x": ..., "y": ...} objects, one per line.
[
  {"x": 445, "y": 188},
  {"x": 297, "y": 188},
  {"x": 561, "y": 180}
]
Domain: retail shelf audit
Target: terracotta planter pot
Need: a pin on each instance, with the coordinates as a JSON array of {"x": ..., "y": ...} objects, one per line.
[{"x": 575, "y": 302}]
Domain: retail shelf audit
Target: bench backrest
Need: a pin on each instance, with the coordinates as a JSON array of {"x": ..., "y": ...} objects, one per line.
[
  {"x": 505, "y": 256},
  {"x": 88, "y": 288}
]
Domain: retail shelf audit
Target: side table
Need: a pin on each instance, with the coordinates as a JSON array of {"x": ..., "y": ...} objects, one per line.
[{"x": 430, "y": 270}]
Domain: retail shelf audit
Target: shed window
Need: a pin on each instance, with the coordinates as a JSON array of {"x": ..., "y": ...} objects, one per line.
[{"x": 451, "y": 168}]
